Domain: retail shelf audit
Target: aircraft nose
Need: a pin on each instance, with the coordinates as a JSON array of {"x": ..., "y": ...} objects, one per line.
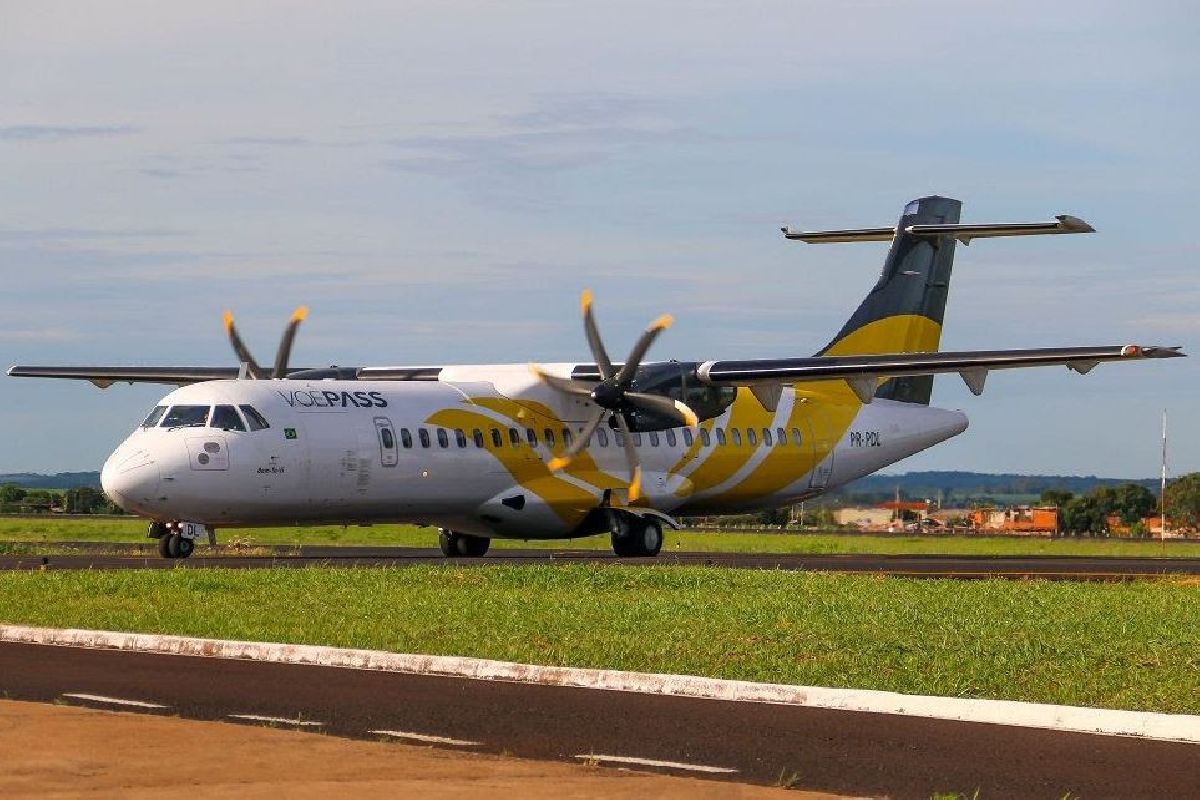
[{"x": 130, "y": 478}]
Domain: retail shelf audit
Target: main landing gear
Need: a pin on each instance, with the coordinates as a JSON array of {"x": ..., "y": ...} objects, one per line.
[
  {"x": 634, "y": 536},
  {"x": 462, "y": 545},
  {"x": 176, "y": 539}
]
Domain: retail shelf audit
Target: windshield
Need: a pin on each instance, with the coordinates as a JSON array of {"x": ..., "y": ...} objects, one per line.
[
  {"x": 153, "y": 417},
  {"x": 186, "y": 417},
  {"x": 256, "y": 420},
  {"x": 226, "y": 417}
]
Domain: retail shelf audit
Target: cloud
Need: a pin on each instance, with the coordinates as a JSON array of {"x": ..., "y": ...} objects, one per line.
[
  {"x": 562, "y": 133},
  {"x": 58, "y": 133},
  {"x": 269, "y": 141}
]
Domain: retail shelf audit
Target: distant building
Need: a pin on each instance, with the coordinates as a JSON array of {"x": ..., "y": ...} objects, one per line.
[{"x": 1019, "y": 519}]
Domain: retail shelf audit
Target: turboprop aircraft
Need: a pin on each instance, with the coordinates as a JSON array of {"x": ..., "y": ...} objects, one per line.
[{"x": 557, "y": 451}]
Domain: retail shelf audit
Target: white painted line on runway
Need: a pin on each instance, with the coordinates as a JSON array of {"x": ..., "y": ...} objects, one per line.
[
  {"x": 114, "y": 701},
  {"x": 1079, "y": 719},
  {"x": 305, "y": 723},
  {"x": 428, "y": 739},
  {"x": 649, "y": 762}
]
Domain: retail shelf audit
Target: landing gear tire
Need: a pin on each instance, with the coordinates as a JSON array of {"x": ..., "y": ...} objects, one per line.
[
  {"x": 637, "y": 538},
  {"x": 164, "y": 546},
  {"x": 184, "y": 548},
  {"x": 173, "y": 545},
  {"x": 462, "y": 545}
]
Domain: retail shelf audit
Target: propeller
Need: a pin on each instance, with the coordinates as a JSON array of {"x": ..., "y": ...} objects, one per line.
[
  {"x": 282, "y": 354},
  {"x": 614, "y": 395}
]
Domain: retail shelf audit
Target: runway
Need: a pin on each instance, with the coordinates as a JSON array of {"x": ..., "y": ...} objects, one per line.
[
  {"x": 848, "y": 752},
  {"x": 1087, "y": 568}
]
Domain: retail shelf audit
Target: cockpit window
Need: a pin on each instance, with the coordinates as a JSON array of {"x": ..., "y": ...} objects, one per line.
[
  {"x": 154, "y": 416},
  {"x": 255, "y": 420},
  {"x": 186, "y": 417},
  {"x": 226, "y": 417}
]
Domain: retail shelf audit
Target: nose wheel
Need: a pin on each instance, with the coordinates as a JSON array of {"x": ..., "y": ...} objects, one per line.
[{"x": 176, "y": 539}]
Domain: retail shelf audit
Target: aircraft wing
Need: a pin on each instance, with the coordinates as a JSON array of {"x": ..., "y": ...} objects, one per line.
[
  {"x": 104, "y": 377},
  {"x": 107, "y": 376},
  {"x": 864, "y": 373}
]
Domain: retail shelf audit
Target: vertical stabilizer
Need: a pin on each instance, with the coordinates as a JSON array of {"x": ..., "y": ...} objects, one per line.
[{"x": 904, "y": 312}]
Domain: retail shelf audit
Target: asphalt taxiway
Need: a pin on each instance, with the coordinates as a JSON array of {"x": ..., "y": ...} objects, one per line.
[
  {"x": 921, "y": 566},
  {"x": 849, "y": 752}
]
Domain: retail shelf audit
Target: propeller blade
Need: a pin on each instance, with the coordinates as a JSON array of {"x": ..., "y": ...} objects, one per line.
[
  {"x": 631, "y": 458},
  {"x": 566, "y": 385},
  {"x": 593, "y": 337},
  {"x": 581, "y": 442},
  {"x": 285, "y": 344},
  {"x": 665, "y": 406},
  {"x": 630, "y": 367},
  {"x": 239, "y": 347}
]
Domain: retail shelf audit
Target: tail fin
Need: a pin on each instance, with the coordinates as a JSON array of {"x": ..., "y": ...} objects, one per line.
[{"x": 904, "y": 312}]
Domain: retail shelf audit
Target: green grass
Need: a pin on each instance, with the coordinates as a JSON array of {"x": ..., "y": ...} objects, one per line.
[
  {"x": 108, "y": 529},
  {"x": 1133, "y": 646}
]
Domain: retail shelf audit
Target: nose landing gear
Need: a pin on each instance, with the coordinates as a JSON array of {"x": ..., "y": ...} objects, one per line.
[{"x": 177, "y": 539}]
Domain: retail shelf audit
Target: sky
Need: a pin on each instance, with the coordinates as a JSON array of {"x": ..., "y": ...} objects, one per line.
[{"x": 438, "y": 181}]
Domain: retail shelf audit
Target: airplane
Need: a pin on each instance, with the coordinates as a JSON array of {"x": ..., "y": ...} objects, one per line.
[{"x": 566, "y": 450}]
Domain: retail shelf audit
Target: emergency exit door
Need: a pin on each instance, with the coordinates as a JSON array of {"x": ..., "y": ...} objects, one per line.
[{"x": 387, "y": 441}]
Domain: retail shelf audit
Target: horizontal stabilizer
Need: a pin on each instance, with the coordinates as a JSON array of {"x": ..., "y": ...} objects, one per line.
[{"x": 1063, "y": 223}]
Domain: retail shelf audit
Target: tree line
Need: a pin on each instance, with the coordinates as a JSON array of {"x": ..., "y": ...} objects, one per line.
[{"x": 79, "y": 500}]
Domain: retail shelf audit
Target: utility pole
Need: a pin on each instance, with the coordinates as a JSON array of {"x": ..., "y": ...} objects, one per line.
[{"x": 1162, "y": 493}]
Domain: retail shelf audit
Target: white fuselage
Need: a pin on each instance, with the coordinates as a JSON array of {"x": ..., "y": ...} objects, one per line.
[{"x": 469, "y": 453}]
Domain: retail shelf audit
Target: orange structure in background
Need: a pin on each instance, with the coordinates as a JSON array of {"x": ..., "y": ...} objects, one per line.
[{"x": 1022, "y": 519}]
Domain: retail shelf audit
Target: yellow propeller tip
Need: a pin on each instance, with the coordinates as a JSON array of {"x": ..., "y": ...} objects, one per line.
[
  {"x": 635, "y": 486},
  {"x": 227, "y": 320},
  {"x": 585, "y": 300},
  {"x": 555, "y": 464},
  {"x": 662, "y": 323},
  {"x": 300, "y": 314}
]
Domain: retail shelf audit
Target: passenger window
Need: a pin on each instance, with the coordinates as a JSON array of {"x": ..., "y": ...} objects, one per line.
[
  {"x": 405, "y": 438},
  {"x": 186, "y": 417},
  {"x": 735, "y": 436},
  {"x": 705, "y": 438},
  {"x": 751, "y": 437},
  {"x": 721, "y": 436},
  {"x": 423, "y": 435},
  {"x": 443, "y": 438},
  {"x": 687, "y": 437},
  {"x": 226, "y": 418},
  {"x": 670, "y": 434},
  {"x": 637, "y": 439},
  {"x": 255, "y": 420},
  {"x": 497, "y": 439},
  {"x": 154, "y": 416},
  {"x": 654, "y": 438},
  {"x": 460, "y": 437},
  {"x": 566, "y": 437},
  {"x": 477, "y": 435},
  {"x": 548, "y": 437},
  {"x": 767, "y": 437},
  {"x": 781, "y": 437},
  {"x": 386, "y": 437},
  {"x": 796, "y": 438},
  {"x": 602, "y": 437},
  {"x": 514, "y": 437},
  {"x": 531, "y": 437},
  {"x": 618, "y": 438}
]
